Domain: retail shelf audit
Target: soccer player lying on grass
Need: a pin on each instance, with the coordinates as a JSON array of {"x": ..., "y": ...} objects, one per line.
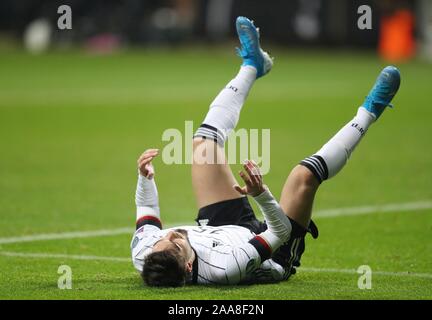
[{"x": 230, "y": 245}]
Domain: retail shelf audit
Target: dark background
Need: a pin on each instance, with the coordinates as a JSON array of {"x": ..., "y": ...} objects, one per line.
[{"x": 143, "y": 22}]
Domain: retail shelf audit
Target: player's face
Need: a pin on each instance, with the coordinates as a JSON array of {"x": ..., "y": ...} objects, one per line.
[{"x": 177, "y": 240}]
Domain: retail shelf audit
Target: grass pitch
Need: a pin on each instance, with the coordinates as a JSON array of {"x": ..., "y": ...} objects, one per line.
[{"x": 72, "y": 125}]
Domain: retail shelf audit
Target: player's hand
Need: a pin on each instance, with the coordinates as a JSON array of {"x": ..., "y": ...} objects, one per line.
[
  {"x": 253, "y": 180},
  {"x": 144, "y": 163}
]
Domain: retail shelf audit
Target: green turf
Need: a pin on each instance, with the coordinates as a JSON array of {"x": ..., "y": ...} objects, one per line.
[{"x": 72, "y": 125}]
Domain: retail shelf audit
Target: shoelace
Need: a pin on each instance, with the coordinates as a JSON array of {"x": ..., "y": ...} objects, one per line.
[
  {"x": 382, "y": 91},
  {"x": 242, "y": 52}
]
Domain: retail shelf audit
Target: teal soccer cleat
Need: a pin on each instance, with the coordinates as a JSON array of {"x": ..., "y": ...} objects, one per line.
[
  {"x": 251, "y": 51},
  {"x": 382, "y": 93}
]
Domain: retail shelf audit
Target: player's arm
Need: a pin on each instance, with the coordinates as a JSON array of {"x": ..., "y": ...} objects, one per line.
[
  {"x": 279, "y": 226},
  {"x": 238, "y": 264},
  {"x": 146, "y": 195}
]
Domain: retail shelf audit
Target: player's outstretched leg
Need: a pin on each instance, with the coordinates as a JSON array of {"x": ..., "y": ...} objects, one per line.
[
  {"x": 332, "y": 157},
  {"x": 303, "y": 182},
  {"x": 213, "y": 180}
]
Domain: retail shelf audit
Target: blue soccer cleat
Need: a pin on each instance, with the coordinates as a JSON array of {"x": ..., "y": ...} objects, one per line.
[
  {"x": 251, "y": 51},
  {"x": 382, "y": 93}
]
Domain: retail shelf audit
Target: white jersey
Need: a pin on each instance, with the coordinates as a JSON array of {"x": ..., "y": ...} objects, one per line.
[{"x": 226, "y": 254}]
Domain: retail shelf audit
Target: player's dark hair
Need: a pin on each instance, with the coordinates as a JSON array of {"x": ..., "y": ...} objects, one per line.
[{"x": 164, "y": 269}]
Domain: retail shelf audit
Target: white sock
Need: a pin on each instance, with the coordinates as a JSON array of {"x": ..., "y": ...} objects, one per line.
[
  {"x": 225, "y": 109},
  {"x": 331, "y": 158}
]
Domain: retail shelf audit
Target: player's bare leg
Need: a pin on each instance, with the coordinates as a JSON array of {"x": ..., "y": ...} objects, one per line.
[
  {"x": 298, "y": 195},
  {"x": 212, "y": 178},
  {"x": 211, "y": 182}
]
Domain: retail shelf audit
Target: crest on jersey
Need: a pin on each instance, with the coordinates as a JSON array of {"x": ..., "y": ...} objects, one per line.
[{"x": 135, "y": 242}]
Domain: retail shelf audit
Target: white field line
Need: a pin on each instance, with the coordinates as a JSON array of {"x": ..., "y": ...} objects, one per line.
[
  {"x": 381, "y": 273},
  {"x": 328, "y": 213},
  {"x": 66, "y": 235},
  {"x": 62, "y": 256},
  {"x": 119, "y": 259},
  {"x": 392, "y": 207}
]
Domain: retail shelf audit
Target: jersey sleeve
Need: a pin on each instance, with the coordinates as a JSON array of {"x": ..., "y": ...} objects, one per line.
[
  {"x": 279, "y": 226},
  {"x": 277, "y": 222},
  {"x": 148, "y": 222},
  {"x": 147, "y": 203}
]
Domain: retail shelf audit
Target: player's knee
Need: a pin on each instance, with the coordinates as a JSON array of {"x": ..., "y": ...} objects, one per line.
[
  {"x": 304, "y": 178},
  {"x": 203, "y": 145},
  {"x": 197, "y": 141}
]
